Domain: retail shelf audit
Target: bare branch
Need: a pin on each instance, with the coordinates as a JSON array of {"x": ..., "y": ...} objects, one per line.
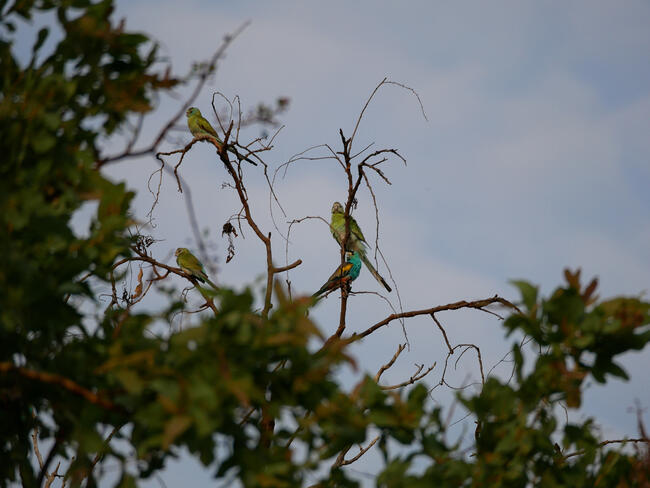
[
  {"x": 36, "y": 449},
  {"x": 477, "y": 304},
  {"x": 444, "y": 334},
  {"x": 400, "y": 348},
  {"x": 202, "y": 78},
  {"x": 340, "y": 461},
  {"x": 604, "y": 443},
  {"x": 63, "y": 382},
  {"x": 385, "y": 81},
  {"x": 282, "y": 269},
  {"x": 415, "y": 377}
]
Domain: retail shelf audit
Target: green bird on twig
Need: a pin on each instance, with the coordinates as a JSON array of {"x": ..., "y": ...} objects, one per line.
[
  {"x": 192, "y": 266},
  {"x": 356, "y": 241},
  {"x": 202, "y": 129},
  {"x": 345, "y": 273}
]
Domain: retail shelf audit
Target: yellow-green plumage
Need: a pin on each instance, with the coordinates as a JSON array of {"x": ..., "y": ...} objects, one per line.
[
  {"x": 202, "y": 129},
  {"x": 192, "y": 266},
  {"x": 356, "y": 240}
]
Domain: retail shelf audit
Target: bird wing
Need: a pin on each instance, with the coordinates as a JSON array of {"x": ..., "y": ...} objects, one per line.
[
  {"x": 341, "y": 272},
  {"x": 355, "y": 230},
  {"x": 206, "y": 127},
  {"x": 336, "y": 224},
  {"x": 191, "y": 262},
  {"x": 338, "y": 229}
]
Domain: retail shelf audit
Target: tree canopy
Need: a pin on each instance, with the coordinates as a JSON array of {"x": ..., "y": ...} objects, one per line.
[{"x": 250, "y": 390}]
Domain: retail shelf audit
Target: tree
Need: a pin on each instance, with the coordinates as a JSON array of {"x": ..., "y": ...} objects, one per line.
[{"x": 250, "y": 392}]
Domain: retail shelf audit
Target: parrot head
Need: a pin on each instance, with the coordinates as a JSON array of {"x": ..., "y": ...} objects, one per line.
[
  {"x": 337, "y": 208},
  {"x": 192, "y": 111},
  {"x": 180, "y": 250}
]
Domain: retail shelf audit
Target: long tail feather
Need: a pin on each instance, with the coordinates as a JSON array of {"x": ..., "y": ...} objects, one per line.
[
  {"x": 374, "y": 272},
  {"x": 243, "y": 157}
]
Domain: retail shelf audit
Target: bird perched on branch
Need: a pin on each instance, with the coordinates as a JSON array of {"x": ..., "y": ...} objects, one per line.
[
  {"x": 202, "y": 129},
  {"x": 192, "y": 266},
  {"x": 356, "y": 241},
  {"x": 345, "y": 273}
]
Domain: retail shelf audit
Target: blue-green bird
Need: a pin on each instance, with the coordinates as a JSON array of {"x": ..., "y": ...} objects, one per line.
[
  {"x": 192, "y": 266},
  {"x": 356, "y": 241},
  {"x": 202, "y": 129},
  {"x": 345, "y": 273}
]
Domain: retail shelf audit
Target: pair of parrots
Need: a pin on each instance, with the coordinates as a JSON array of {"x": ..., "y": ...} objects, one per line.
[
  {"x": 348, "y": 272},
  {"x": 201, "y": 129},
  {"x": 356, "y": 253}
]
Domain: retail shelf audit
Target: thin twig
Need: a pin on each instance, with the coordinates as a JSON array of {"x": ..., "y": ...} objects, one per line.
[
  {"x": 202, "y": 78},
  {"x": 62, "y": 381},
  {"x": 476, "y": 304},
  {"x": 415, "y": 377},
  {"x": 444, "y": 334},
  {"x": 400, "y": 348},
  {"x": 604, "y": 443},
  {"x": 343, "y": 462}
]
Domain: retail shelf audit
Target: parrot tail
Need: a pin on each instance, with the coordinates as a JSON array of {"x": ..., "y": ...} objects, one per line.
[
  {"x": 231, "y": 148},
  {"x": 374, "y": 272},
  {"x": 212, "y": 284}
]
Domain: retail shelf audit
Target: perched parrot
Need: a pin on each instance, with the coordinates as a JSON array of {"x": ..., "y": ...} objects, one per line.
[
  {"x": 192, "y": 266},
  {"x": 356, "y": 241},
  {"x": 345, "y": 273},
  {"x": 201, "y": 129}
]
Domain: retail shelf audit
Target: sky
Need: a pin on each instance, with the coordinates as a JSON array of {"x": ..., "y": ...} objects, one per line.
[{"x": 533, "y": 156}]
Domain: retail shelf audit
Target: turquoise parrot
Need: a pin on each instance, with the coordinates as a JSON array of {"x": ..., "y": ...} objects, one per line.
[
  {"x": 345, "y": 273},
  {"x": 192, "y": 266},
  {"x": 202, "y": 129},
  {"x": 356, "y": 241}
]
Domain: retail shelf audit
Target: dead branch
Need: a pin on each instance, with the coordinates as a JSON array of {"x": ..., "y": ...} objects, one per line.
[
  {"x": 443, "y": 381},
  {"x": 385, "y": 81},
  {"x": 202, "y": 78},
  {"x": 63, "y": 382},
  {"x": 49, "y": 478},
  {"x": 444, "y": 334},
  {"x": 282, "y": 269},
  {"x": 604, "y": 443},
  {"x": 415, "y": 377},
  {"x": 476, "y": 304},
  {"x": 142, "y": 256},
  {"x": 341, "y": 461},
  {"x": 400, "y": 348}
]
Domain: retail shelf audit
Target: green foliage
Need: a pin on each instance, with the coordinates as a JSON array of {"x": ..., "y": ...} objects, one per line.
[
  {"x": 252, "y": 397},
  {"x": 52, "y": 112},
  {"x": 519, "y": 434}
]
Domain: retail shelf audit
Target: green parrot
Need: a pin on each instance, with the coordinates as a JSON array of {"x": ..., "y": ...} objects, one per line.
[
  {"x": 192, "y": 266},
  {"x": 345, "y": 273},
  {"x": 356, "y": 241},
  {"x": 202, "y": 129}
]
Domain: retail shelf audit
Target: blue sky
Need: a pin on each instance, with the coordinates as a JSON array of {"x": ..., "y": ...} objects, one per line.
[{"x": 535, "y": 156}]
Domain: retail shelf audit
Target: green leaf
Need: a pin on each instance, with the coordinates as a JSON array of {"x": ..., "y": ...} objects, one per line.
[
  {"x": 43, "y": 142},
  {"x": 528, "y": 292}
]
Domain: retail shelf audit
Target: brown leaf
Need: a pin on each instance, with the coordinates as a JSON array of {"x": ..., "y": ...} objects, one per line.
[
  {"x": 573, "y": 279},
  {"x": 587, "y": 294},
  {"x": 138, "y": 289},
  {"x": 175, "y": 427}
]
